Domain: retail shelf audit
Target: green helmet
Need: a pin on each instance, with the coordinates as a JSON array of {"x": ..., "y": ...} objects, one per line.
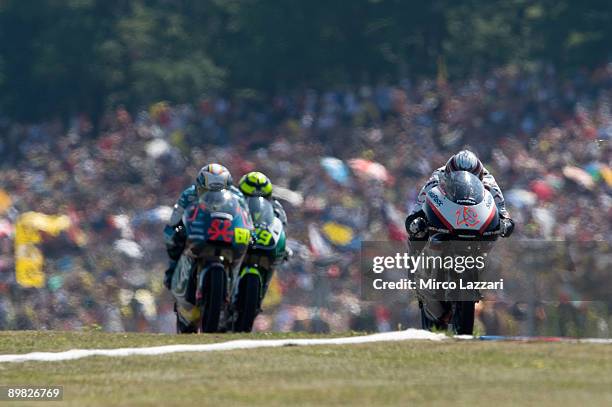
[{"x": 255, "y": 184}]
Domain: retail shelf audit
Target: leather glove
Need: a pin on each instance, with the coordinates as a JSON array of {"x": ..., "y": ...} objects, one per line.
[
  {"x": 418, "y": 228},
  {"x": 175, "y": 241},
  {"x": 506, "y": 227}
]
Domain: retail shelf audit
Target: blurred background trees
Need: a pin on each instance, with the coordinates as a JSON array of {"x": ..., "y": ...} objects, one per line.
[{"x": 60, "y": 57}]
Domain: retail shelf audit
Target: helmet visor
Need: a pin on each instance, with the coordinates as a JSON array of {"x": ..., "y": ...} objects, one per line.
[{"x": 463, "y": 188}]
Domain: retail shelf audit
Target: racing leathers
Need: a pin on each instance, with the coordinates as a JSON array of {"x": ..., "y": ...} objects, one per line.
[
  {"x": 415, "y": 226},
  {"x": 279, "y": 211},
  {"x": 174, "y": 232}
]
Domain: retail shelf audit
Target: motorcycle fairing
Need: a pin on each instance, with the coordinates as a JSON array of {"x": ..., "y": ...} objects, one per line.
[{"x": 457, "y": 217}]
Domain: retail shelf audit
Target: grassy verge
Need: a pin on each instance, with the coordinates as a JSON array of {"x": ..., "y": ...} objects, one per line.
[
  {"x": 54, "y": 341},
  {"x": 400, "y": 373}
]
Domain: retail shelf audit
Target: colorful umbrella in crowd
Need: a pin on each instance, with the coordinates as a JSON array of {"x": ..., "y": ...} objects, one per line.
[
  {"x": 579, "y": 176},
  {"x": 594, "y": 170},
  {"x": 318, "y": 245},
  {"x": 340, "y": 235},
  {"x": 542, "y": 190},
  {"x": 29, "y": 258},
  {"x": 341, "y": 225},
  {"x": 606, "y": 174},
  {"x": 336, "y": 169},
  {"x": 370, "y": 170},
  {"x": 599, "y": 171}
]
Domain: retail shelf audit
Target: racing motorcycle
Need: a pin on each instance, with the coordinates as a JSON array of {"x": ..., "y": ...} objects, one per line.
[
  {"x": 266, "y": 251},
  {"x": 462, "y": 220},
  {"x": 218, "y": 231}
]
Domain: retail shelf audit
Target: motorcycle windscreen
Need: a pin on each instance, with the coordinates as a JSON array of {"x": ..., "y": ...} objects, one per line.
[
  {"x": 220, "y": 201},
  {"x": 217, "y": 217},
  {"x": 463, "y": 188},
  {"x": 261, "y": 211}
]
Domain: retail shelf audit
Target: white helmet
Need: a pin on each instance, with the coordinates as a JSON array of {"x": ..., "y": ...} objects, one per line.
[
  {"x": 213, "y": 177},
  {"x": 465, "y": 160}
]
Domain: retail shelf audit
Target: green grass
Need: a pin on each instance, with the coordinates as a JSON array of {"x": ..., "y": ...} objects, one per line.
[
  {"x": 54, "y": 341},
  {"x": 391, "y": 373}
]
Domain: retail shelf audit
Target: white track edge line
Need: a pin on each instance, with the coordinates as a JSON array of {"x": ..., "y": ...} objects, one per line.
[{"x": 410, "y": 334}]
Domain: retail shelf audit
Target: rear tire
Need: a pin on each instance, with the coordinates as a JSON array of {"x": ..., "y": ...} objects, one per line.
[
  {"x": 214, "y": 298},
  {"x": 249, "y": 292}
]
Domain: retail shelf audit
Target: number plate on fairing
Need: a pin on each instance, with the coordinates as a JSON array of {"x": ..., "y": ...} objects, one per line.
[{"x": 462, "y": 217}]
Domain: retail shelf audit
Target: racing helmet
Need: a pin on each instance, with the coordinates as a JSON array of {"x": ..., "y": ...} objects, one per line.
[
  {"x": 213, "y": 177},
  {"x": 255, "y": 183},
  {"x": 465, "y": 160}
]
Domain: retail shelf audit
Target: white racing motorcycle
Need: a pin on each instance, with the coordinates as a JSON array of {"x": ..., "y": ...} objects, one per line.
[{"x": 462, "y": 220}]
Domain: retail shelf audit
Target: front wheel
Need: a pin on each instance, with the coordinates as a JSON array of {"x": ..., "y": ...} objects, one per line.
[
  {"x": 214, "y": 298},
  {"x": 249, "y": 292},
  {"x": 430, "y": 323},
  {"x": 463, "y": 317}
]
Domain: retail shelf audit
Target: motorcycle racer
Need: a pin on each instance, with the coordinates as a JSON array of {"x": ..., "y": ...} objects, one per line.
[
  {"x": 210, "y": 177},
  {"x": 256, "y": 183},
  {"x": 267, "y": 249},
  {"x": 464, "y": 160}
]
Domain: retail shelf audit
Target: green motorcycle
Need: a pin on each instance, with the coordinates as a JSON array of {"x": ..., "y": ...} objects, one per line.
[{"x": 266, "y": 251}]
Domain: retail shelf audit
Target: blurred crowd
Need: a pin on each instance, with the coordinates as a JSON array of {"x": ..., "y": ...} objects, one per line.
[{"x": 347, "y": 162}]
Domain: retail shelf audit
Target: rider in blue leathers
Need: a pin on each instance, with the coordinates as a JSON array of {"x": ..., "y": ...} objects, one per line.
[{"x": 211, "y": 176}]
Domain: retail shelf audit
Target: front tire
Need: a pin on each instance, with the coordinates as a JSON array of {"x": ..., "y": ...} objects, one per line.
[
  {"x": 463, "y": 318},
  {"x": 429, "y": 323},
  {"x": 249, "y": 292},
  {"x": 214, "y": 298}
]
